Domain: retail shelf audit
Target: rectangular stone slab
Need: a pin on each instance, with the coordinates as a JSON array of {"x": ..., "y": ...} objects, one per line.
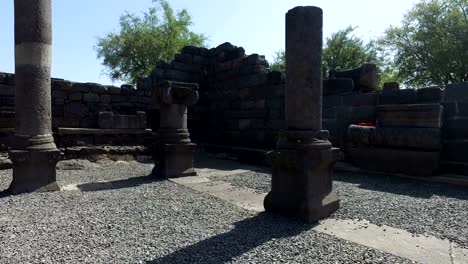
[
  {"x": 412, "y": 115},
  {"x": 455, "y": 150},
  {"x": 389, "y": 160},
  {"x": 395, "y": 137}
]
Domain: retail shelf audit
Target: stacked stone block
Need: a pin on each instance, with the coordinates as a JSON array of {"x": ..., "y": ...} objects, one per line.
[
  {"x": 455, "y": 130},
  {"x": 407, "y": 135},
  {"x": 241, "y": 99}
]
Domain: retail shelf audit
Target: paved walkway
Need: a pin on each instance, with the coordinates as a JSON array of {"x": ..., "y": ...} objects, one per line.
[{"x": 423, "y": 249}]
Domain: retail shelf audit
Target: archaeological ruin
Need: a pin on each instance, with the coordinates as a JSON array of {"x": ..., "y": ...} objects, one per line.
[{"x": 225, "y": 101}]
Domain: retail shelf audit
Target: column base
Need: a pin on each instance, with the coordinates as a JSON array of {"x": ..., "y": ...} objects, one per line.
[
  {"x": 302, "y": 181},
  {"x": 175, "y": 160},
  {"x": 34, "y": 171}
]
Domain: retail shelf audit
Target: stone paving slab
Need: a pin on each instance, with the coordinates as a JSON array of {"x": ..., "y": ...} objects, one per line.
[{"x": 423, "y": 249}]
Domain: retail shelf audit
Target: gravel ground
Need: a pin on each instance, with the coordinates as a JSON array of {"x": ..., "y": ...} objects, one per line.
[
  {"x": 418, "y": 207},
  {"x": 142, "y": 220}
]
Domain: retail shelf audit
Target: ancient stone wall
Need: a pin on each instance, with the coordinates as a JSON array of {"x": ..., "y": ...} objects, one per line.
[
  {"x": 77, "y": 104},
  {"x": 241, "y": 99}
]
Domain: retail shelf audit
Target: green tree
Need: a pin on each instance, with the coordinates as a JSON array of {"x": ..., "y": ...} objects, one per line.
[
  {"x": 342, "y": 50},
  {"x": 143, "y": 41},
  {"x": 431, "y": 45}
]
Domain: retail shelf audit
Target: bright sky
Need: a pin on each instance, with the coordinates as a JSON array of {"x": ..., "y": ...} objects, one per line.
[{"x": 256, "y": 25}]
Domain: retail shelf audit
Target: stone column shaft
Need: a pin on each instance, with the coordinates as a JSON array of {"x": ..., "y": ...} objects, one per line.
[
  {"x": 304, "y": 68},
  {"x": 302, "y": 172},
  {"x": 33, "y": 44},
  {"x": 34, "y": 153}
]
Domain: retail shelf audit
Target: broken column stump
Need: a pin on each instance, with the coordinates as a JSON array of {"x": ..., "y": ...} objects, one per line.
[
  {"x": 304, "y": 158},
  {"x": 174, "y": 151},
  {"x": 34, "y": 154}
]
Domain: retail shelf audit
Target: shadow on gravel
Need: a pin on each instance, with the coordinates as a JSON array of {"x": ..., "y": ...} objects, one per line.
[
  {"x": 5, "y": 193},
  {"x": 246, "y": 235},
  {"x": 225, "y": 164},
  {"x": 402, "y": 186},
  {"x": 118, "y": 184}
]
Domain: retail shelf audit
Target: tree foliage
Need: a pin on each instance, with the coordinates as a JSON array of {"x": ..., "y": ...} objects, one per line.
[
  {"x": 431, "y": 45},
  {"x": 143, "y": 41},
  {"x": 342, "y": 50}
]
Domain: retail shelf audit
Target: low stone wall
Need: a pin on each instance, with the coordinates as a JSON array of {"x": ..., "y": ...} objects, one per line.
[{"x": 77, "y": 104}]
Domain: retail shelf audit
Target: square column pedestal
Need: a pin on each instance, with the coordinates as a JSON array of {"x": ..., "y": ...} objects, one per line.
[
  {"x": 302, "y": 178},
  {"x": 176, "y": 160},
  {"x": 29, "y": 169}
]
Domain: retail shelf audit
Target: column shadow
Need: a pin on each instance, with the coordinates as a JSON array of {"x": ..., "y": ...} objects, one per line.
[{"x": 246, "y": 235}]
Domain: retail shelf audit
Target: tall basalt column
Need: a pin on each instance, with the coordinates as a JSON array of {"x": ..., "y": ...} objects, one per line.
[
  {"x": 304, "y": 159},
  {"x": 34, "y": 153}
]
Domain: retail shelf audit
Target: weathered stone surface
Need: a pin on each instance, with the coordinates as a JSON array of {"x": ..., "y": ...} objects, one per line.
[
  {"x": 360, "y": 99},
  {"x": 406, "y": 96},
  {"x": 303, "y": 161},
  {"x": 332, "y": 100},
  {"x": 338, "y": 86},
  {"x": 421, "y": 115},
  {"x": 105, "y": 98},
  {"x": 114, "y": 90},
  {"x": 7, "y": 119},
  {"x": 430, "y": 95},
  {"x": 3, "y": 78},
  {"x": 174, "y": 151},
  {"x": 364, "y": 77},
  {"x": 76, "y": 96},
  {"x": 98, "y": 88},
  {"x": 76, "y": 109},
  {"x": 144, "y": 84},
  {"x": 456, "y": 150},
  {"x": 34, "y": 154},
  {"x": 91, "y": 98},
  {"x": 129, "y": 121},
  {"x": 396, "y": 137},
  {"x": 105, "y": 120},
  {"x": 456, "y": 128},
  {"x": 7, "y": 90},
  {"x": 391, "y": 86},
  {"x": 456, "y": 92},
  {"x": 462, "y": 108},
  {"x": 62, "y": 85},
  {"x": 390, "y": 160},
  {"x": 354, "y": 114}
]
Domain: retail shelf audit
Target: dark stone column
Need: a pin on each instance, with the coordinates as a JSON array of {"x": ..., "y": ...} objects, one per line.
[
  {"x": 174, "y": 151},
  {"x": 304, "y": 159},
  {"x": 34, "y": 153}
]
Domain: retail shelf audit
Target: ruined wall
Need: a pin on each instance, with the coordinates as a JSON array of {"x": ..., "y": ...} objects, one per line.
[
  {"x": 77, "y": 104},
  {"x": 241, "y": 99}
]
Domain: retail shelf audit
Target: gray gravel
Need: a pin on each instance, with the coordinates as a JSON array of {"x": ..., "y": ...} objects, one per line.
[
  {"x": 142, "y": 220},
  {"x": 418, "y": 207}
]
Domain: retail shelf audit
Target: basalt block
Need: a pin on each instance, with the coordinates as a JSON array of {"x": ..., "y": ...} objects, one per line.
[
  {"x": 364, "y": 77},
  {"x": 391, "y": 160},
  {"x": 456, "y": 150},
  {"x": 338, "y": 86},
  {"x": 395, "y": 137},
  {"x": 456, "y": 92},
  {"x": 430, "y": 95},
  {"x": 406, "y": 96},
  {"x": 420, "y": 115}
]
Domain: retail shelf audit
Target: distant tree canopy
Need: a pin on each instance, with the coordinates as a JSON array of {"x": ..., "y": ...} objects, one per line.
[
  {"x": 342, "y": 50},
  {"x": 431, "y": 45},
  {"x": 143, "y": 41},
  {"x": 429, "y": 48}
]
